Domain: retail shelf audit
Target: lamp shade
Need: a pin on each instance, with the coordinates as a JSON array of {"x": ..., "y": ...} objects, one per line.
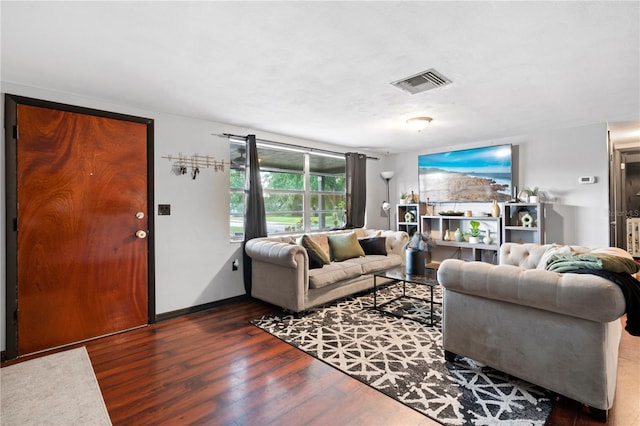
[{"x": 386, "y": 175}]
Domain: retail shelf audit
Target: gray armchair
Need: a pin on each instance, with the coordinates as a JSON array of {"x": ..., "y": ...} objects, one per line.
[{"x": 559, "y": 331}]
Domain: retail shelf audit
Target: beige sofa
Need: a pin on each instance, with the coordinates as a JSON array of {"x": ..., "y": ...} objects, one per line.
[
  {"x": 281, "y": 274},
  {"x": 560, "y": 331}
]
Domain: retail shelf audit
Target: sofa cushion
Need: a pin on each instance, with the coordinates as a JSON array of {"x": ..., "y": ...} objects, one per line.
[
  {"x": 332, "y": 273},
  {"x": 314, "y": 250},
  {"x": 344, "y": 246},
  {"x": 374, "y": 245},
  {"x": 374, "y": 262}
]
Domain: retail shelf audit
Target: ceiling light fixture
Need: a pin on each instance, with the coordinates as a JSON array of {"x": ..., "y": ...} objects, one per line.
[{"x": 419, "y": 123}]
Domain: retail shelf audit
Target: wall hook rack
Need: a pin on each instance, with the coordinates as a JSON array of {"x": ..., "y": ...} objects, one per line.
[{"x": 195, "y": 162}]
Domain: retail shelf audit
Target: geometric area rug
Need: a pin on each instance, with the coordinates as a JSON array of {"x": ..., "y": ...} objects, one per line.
[
  {"x": 57, "y": 389},
  {"x": 404, "y": 359}
]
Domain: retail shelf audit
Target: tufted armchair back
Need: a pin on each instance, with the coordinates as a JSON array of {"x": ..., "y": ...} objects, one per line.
[{"x": 528, "y": 255}]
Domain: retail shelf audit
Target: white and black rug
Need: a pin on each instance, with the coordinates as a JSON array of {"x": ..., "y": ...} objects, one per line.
[{"x": 404, "y": 359}]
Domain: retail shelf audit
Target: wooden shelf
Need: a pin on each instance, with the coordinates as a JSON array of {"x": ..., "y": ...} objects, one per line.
[
  {"x": 464, "y": 244},
  {"x": 438, "y": 225},
  {"x": 417, "y": 209},
  {"x": 513, "y": 231},
  {"x": 522, "y": 228}
]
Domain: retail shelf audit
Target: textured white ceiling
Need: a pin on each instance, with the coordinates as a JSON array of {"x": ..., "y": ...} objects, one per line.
[{"x": 321, "y": 70}]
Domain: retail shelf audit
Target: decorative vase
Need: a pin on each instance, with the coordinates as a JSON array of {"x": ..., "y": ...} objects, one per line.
[
  {"x": 495, "y": 209},
  {"x": 447, "y": 235},
  {"x": 458, "y": 235},
  {"x": 415, "y": 262},
  {"x": 527, "y": 220},
  {"x": 487, "y": 239},
  {"x": 412, "y": 199}
]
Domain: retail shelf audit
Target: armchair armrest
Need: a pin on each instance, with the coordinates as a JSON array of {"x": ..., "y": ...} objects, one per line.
[{"x": 583, "y": 296}]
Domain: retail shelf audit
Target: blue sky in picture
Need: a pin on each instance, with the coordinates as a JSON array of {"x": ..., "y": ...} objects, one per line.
[{"x": 490, "y": 159}]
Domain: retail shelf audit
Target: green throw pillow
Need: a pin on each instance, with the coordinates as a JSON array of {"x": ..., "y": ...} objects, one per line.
[
  {"x": 314, "y": 250},
  {"x": 345, "y": 246}
]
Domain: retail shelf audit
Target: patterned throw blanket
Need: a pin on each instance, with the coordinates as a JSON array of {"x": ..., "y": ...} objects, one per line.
[{"x": 597, "y": 261}]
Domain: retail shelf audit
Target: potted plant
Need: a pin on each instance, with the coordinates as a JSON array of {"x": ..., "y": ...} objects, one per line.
[
  {"x": 417, "y": 251},
  {"x": 403, "y": 198},
  {"x": 533, "y": 194},
  {"x": 474, "y": 232}
]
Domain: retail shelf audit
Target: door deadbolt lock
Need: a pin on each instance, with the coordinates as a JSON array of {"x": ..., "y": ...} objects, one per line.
[
  {"x": 140, "y": 215},
  {"x": 141, "y": 234}
]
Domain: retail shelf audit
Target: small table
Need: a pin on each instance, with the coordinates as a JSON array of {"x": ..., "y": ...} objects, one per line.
[{"x": 398, "y": 274}]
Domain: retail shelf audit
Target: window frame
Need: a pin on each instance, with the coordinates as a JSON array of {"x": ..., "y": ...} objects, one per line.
[{"x": 307, "y": 193}]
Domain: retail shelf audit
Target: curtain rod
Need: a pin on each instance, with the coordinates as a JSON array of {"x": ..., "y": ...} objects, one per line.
[{"x": 326, "y": 151}]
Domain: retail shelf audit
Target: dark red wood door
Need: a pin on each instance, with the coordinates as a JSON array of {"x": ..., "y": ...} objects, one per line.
[{"x": 82, "y": 196}]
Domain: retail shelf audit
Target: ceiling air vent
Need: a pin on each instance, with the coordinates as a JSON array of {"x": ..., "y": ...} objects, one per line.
[{"x": 421, "y": 82}]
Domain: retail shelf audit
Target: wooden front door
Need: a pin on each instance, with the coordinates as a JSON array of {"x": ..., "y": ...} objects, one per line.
[{"x": 82, "y": 226}]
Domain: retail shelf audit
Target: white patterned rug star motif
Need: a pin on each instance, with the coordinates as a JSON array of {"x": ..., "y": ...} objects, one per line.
[{"x": 404, "y": 359}]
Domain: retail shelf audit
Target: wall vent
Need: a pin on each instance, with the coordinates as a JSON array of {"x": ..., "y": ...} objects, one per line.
[{"x": 423, "y": 81}]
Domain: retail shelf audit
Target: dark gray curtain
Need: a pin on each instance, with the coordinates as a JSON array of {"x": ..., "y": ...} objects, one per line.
[
  {"x": 255, "y": 219},
  {"x": 356, "y": 176}
]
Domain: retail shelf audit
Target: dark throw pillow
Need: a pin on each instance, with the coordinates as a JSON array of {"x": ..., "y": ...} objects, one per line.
[
  {"x": 374, "y": 245},
  {"x": 315, "y": 262},
  {"x": 345, "y": 246}
]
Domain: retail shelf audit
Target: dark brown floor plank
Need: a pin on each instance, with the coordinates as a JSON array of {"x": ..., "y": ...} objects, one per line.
[{"x": 215, "y": 368}]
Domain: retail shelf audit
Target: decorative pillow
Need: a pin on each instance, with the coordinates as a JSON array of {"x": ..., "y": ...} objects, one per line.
[
  {"x": 321, "y": 240},
  {"x": 345, "y": 246},
  {"x": 315, "y": 262},
  {"x": 374, "y": 245},
  {"x": 312, "y": 247}
]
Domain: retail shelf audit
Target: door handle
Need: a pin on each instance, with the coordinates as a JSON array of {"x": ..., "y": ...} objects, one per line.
[{"x": 141, "y": 234}]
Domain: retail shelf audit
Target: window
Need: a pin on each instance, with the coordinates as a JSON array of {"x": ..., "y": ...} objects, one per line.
[{"x": 303, "y": 190}]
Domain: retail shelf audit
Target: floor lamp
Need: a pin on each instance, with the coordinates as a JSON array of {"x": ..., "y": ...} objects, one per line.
[{"x": 386, "y": 205}]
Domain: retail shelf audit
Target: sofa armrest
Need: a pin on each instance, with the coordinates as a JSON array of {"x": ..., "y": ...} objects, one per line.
[
  {"x": 579, "y": 295},
  {"x": 283, "y": 254},
  {"x": 280, "y": 273}
]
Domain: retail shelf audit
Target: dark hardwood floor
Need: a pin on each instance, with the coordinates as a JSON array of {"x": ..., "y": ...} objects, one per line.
[{"x": 216, "y": 368}]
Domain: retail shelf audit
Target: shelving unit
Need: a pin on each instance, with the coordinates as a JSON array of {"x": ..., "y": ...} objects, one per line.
[
  {"x": 416, "y": 211},
  {"x": 442, "y": 229},
  {"x": 633, "y": 236},
  {"x": 515, "y": 231}
]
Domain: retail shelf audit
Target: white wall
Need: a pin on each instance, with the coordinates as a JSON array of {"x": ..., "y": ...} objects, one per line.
[
  {"x": 192, "y": 248},
  {"x": 193, "y": 253},
  {"x": 552, "y": 160}
]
